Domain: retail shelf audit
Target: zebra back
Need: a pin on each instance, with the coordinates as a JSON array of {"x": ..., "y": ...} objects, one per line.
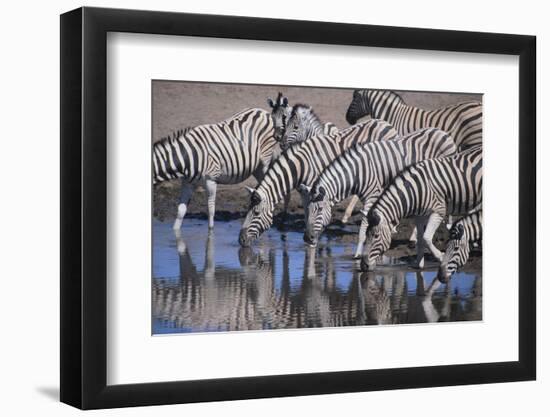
[
  {"x": 450, "y": 185},
  {"x": 303, "y": 163},
  {"x": 367, "y": 167},
  {"x": 229, "y": 151},
  {"x": 462, "y": 121}
]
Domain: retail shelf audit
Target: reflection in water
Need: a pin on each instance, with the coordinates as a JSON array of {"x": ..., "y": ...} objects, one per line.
[{"x": 282, "y": 284}]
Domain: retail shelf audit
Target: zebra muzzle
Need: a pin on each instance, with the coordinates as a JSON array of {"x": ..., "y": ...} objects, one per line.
[
  {"x": 364, "y": 266},
  {"x": 244, "y": 239},
  {"x": 443, "y": 275},
  {"x": 310, "y": 238}
]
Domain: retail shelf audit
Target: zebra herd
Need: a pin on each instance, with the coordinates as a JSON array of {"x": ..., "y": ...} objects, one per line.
[{"x": 401, "y": 162}]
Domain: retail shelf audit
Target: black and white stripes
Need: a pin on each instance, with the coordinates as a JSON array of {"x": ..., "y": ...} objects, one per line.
[
  {"x": 302, "y": 164},
  {"x": 433, "y": 188},
  {"x": 303, "y": 124},
  {"x": 463, "y": 233},
  {"x": 227, "y": 153},
  {"x": 462, "y": 121},
  {"x": 364, "y": 170}
]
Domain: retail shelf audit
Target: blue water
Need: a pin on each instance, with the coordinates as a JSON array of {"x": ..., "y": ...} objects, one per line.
[{"x": 204, "y": 281}]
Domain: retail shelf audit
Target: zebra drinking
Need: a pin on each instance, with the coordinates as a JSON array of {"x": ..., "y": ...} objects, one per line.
[
  {"x": 223, "y": 153},
  {"x": 303, "y": 124},
  {"x": 462, "y": 121},
  {"x": 302, "y": 164},
  {"x": 464, "y": 232},
  {"x": 364, "y": 170},
  {"x": 432, "y": 188}
]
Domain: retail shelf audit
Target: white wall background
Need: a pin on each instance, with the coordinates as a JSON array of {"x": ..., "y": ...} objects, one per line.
[{"x": 29, "y": 215}]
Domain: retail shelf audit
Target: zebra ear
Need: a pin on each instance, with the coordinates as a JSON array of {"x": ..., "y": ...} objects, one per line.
[
  {"x": 285, "y": 102},
  {"x": 255, "y": 198},
  {"x": 270, "y": 103},
  {"x": 373, "y": 218},
  {"x": 304, "y": 189},
  {"x": 457, "y": 232}
]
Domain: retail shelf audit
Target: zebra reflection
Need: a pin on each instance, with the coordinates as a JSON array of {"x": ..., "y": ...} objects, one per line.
[{"x": 271, "y": 288}]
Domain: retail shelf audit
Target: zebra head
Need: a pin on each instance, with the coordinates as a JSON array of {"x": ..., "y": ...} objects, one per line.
[
  {"x": 300, "y": 126},
  {"x": 319, "y": 212},
  {"x": 280, "y": 112},
  {"x": 258, "y": 219},
  {"x": 378, "y": 238},
  {"x": 456, "y": 254},
  {"x": 358, "y": 108}
]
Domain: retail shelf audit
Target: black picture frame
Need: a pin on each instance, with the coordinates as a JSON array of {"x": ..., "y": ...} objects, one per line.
[{"x": 84, "y": 207}]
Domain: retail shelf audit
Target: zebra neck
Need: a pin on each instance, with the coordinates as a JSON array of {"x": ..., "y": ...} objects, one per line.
[
  {"x": 284, "y": 175},
  {"x": 473, "y": 227},
  {"x": 387, "y": 110},
  {"x": 394, "y": 205},
  {"x": 314, "y": 127},
  {"x": 345, "y": 185}
]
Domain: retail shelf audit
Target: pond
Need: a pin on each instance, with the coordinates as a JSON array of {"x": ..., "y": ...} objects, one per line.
[{"x": 205, "y": 282}]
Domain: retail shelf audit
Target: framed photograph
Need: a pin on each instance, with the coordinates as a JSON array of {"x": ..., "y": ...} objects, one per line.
[{"x": 257, "y": 208}]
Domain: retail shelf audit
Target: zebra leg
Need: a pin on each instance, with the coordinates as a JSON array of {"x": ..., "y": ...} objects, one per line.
[
  {"x": 420, "y": 228},
  {"x": 285, "y": 207},
  {"x": 413, "y": 237},
  {"x": 186, "y": 193},
  {"x": 209, "y": 264},
  {"x": 349, "y": 209},
  {"x": 434, "y": 221},
  {"x": 305, "y": 204},
  {"x": 362, "y": 235},
  {"x": 449, "y": 222},
  {"x": 211, "y": 187},
  {"x": 430, "y": 311},
  {"x": 180, "y": 243}
]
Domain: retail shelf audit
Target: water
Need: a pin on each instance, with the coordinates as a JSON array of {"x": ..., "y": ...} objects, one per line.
[{"x": 205, "y": 282}]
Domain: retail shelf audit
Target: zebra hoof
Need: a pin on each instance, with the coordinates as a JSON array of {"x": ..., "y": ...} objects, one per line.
[
  {"x": 418, "y": 265},
  {"x": 412, "y": 244}
]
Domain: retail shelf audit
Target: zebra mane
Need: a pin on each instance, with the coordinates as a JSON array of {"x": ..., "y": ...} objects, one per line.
[
  {"x": 389, "y": 92},
  {"x": 309, "y": 109},
  {"x": 176, "y": 134},
  {"x": 398, "y": 96}
]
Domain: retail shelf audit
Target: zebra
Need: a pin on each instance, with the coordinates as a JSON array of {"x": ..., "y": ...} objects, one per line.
[
  {"x": 302, "y": 164},
  {"x": 364, "y": 170},
  {"x": 464, "y": 232},
  {"x": 280, "y": 112},
  {"x": 432, "y": 188},
  {"x": 462, "y": 121},
  {"x": 303, "y": 124},
  {"x": 227, "y": 152}
]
